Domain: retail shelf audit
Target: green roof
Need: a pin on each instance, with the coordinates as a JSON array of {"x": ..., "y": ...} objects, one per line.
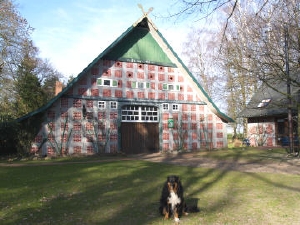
[{"x": 138, "y": 45}]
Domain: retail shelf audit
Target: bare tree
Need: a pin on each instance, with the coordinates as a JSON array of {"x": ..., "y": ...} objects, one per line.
[
  {"x": 253, "y": 50},
  {"x": 201, "y": 50},
  {"x": 16, "y": 51}
]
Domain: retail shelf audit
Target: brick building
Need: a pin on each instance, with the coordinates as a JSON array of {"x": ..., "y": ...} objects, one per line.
[{"x": 137, "y": 96}]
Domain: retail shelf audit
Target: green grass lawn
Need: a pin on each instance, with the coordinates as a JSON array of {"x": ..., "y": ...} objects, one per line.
[{"x": 127, "y": 192}]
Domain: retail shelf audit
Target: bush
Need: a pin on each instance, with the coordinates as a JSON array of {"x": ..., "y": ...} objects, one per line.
[
  {"x": 8, "y": 135},
  {"x": 16, "y": 136}
]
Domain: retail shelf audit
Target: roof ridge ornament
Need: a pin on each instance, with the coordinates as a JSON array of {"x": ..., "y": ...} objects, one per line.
[{"x": 145, "y": 13}]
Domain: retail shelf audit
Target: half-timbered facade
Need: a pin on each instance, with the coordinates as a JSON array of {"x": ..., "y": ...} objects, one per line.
[
  {"x": 137, "y": 96},
  {"x": 267, "y": 114}
]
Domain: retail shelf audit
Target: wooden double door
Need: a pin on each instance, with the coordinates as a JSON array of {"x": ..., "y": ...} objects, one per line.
[{"x": 139, "y": 137}]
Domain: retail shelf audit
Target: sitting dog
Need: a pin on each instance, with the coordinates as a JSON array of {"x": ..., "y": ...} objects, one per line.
[{"x": 172, "y": 201}]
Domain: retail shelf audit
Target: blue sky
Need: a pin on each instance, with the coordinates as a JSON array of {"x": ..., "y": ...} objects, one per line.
[{"x": 71, "y": 33}]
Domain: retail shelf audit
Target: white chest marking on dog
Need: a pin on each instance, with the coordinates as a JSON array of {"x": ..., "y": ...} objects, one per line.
[{"x": 174, "y": 200}]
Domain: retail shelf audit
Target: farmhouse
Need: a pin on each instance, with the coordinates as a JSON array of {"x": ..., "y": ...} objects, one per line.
[
  {"x": 267, "y": 114},
  {"x": 137, "y": 96}
]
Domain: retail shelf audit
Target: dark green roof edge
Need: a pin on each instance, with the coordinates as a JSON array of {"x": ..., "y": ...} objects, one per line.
[
  {"x": 148, "y": 62},
  {"x": 53, "y": 100},
  {"x": 194, "y": 79}
]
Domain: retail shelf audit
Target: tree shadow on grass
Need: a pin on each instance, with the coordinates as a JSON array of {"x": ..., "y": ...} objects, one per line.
[{"x": 119, "y": 192}]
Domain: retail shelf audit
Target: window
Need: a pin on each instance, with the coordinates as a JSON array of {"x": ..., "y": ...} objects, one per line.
[
  {"x": 113, "y": 105},
  {"x": 175, "y": 107},
  {"x": 141, "y": 85},
  {"x": 165, "y": 106},
  {"x": 139, "y": 114},
  {"x": 171, "y": 87},
  {"x": 101, "y": 105},
  {"x": 264, "y": 103},
  {"x": 107, "y": 82}
]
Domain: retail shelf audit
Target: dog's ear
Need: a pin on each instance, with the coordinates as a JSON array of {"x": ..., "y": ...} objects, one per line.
[
  {"x": 169, "y": 186},
  {"x": 175, "y": 187}
]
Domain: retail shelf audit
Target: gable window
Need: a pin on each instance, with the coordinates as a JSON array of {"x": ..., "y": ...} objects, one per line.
[
  {"x": 171, "y": 87},
  {"x": 101, "y": 105},
  {"x": 113, "y": 105},
  {"x": 264, "y": 103},
  {"x": 141, "y": 85},
  {"x": 165, "y": 106},
  {"x": 107, "y": 82},
  {"x": 175, "y": 107}
]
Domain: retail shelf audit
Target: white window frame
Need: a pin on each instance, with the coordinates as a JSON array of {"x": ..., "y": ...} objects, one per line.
[
  {"x": 113, "y": 105},
  {"x": 105, "y": 81},
  {"x": 165, "y": 106},
  {"x": 175, "y": 107},
  {"x": 101, "y": 105},
  {"x": 171, "y": 87},
  {"x": 140, "y": 114},
  {"x": 140, "y": 85}
]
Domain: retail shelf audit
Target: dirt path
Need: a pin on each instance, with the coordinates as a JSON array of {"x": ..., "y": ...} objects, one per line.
[{"x": 290, "y": 166}]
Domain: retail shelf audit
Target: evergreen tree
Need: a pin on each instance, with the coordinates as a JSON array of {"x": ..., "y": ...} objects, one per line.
[{"x": 30, "y": 94}]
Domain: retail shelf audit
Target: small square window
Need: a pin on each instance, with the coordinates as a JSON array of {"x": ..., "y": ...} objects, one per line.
[
  {"x": 133, "y": 84},
  {"x": 106, "y": 82},
  {"x": 140, "y": 84},
  {"x": 165, "y": 87},
  {"x": 113, "y": 105},
  {"x": 165, "y": 106},
  {"x": 264, "y": 103},
  {"x": 175, "y": 107},
  {"x": 101, "y": 105}
]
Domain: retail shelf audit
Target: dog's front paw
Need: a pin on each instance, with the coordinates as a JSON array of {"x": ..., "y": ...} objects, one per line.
[
  {"x": 167, "y": 216},
  {"x": 177, "y": 220}
]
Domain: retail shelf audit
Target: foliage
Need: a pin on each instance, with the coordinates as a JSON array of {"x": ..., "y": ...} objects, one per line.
[
  {"x": 8, "y": 135},
  {"x": 15, "y": 31},
  {"x": 28, "y": 129},
  {"x": 250, "y": 45},
  {"x": 30, "y": 93},
  {"x": 19, "y": 62},
  {"x": 16, "y": 137}
]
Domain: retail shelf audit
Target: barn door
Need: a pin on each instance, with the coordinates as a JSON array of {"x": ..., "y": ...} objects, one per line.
[
  {"x": 139, "y": 129},
  {"x": 140, "y": 138}
]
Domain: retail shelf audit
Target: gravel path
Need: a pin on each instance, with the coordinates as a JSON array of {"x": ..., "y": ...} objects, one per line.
[{"x": 288, "y": 166}]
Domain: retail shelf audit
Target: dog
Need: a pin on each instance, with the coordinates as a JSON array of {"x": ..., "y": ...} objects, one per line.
[{"x": 172, "y": 200}]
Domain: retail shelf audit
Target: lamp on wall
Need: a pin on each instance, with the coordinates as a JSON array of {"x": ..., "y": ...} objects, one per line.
[{"x": 83, "y": 111}]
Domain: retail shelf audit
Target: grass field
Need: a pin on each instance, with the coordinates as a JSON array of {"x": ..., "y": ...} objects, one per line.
[{"x": 127, "y": 192}]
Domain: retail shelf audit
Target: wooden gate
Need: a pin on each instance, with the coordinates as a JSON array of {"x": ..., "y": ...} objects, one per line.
[{"x": 139, "y": 137}]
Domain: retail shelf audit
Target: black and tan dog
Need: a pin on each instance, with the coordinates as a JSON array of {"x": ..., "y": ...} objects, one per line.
[{"x": 172, "y": 201}]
